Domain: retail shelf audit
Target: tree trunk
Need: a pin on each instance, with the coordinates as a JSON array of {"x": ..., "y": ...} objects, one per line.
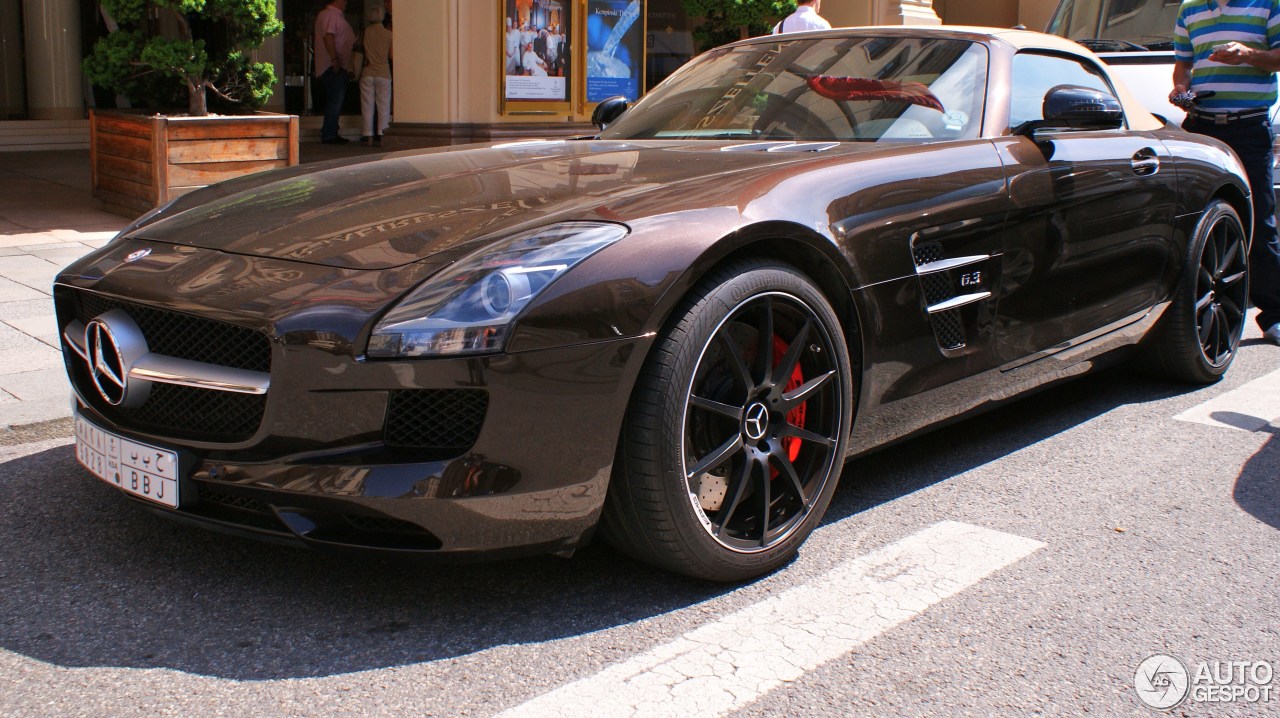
[{"x": 197, "y": 105}]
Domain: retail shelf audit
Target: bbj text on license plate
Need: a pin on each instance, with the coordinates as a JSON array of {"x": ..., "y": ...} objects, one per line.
[{"x": 140, "y": 469}]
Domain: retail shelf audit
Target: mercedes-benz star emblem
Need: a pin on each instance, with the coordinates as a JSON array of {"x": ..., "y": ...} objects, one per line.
[
  {"x": 113, "y": 345},
  {"x": 756, "y": 421},
  {"x": 105, "y": 365},
  {"x": 135, "y": 256}
]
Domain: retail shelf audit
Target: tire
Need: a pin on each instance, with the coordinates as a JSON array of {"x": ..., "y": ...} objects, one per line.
[
  {"x": 1200, "y": 332},
  {"x": 744, "y": 403}
]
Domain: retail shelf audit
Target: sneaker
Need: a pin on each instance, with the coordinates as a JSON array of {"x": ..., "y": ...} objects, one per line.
[
  {"x": 1273, "y": 334},
  {"x": 367, "y": 141}
]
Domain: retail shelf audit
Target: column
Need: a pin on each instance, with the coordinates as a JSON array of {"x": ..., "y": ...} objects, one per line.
[
  {"x": 13, "y": 88},
  {"x": 425, "y": 58},
  {"x": 52, "y": 43},
  {"x": 906, "y": 12},
  {"x": 918, "y": 12},
  {"x": 849, "y": 13},
  {"x": 272, "y": 51},
  {"x": 1035, "y": 14}
]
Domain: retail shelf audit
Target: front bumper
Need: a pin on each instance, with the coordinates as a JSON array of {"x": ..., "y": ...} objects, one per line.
[{"x": 318, "y": 473}]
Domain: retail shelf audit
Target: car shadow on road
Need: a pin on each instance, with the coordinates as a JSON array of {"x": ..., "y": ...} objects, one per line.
[
  {"x": 88, "y": 579},
  {"x": 942, "y": 454}
]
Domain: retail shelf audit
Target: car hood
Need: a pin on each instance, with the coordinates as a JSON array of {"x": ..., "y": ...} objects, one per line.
[{"x": 395, "y": 209}]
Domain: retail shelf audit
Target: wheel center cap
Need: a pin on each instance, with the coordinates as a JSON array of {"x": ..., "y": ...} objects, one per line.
[{"x": 755, "y": 421}]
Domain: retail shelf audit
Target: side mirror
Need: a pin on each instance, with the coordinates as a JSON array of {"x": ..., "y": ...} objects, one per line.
[
  {"x": 1070, "y": 107},
  {"x": 608, "y": 111}
]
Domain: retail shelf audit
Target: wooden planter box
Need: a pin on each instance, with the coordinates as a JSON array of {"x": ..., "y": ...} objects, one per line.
[{"x": 141, "y": 161}]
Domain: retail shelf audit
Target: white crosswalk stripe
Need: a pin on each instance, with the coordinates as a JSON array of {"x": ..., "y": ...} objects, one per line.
[
  {"x": 1251, "y": 407},
  {"x": 725, "y": 665}
]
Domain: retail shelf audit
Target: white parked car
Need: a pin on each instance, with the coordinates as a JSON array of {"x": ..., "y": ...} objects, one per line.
[{"x": 1135, "y": 39}]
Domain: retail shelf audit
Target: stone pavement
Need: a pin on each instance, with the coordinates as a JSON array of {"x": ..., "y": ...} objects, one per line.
[{"x": 48, "y": 218}]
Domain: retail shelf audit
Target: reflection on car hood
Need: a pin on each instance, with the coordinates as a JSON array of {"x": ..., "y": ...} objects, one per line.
[{"x": 395, "y": 209}]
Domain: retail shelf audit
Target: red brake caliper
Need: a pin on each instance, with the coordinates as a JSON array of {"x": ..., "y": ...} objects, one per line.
[{"x": 796, "y": 416}]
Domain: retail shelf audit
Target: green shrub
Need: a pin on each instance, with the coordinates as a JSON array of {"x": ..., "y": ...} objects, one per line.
[
  {"x": 207, "y": 56},
  {"x": 731, "y": 20}
]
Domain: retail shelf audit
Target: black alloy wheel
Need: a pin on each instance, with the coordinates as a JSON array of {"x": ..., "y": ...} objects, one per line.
[
  {"x": 1200, "y": 332},
  {"x": 1222, "y": 290},
  {"x": 761, "y": 425},
  {"x": 737, "y": 430}
]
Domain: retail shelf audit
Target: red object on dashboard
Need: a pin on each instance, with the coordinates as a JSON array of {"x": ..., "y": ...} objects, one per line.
[{"x": 847, "y": 89}]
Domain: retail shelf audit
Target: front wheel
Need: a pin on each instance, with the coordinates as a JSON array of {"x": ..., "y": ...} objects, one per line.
[
  {"x": 737, "y": 429},
  {"x": 1200, "y": 332}
]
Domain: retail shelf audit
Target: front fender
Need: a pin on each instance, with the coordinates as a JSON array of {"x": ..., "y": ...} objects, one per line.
[{"x": 631, "y": 288}]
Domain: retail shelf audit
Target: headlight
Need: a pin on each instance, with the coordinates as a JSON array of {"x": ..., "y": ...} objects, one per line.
[{"x": 468, "y": 308}]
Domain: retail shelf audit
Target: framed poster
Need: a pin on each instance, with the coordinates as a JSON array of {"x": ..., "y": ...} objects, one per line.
[
  {"x": 615, "y": 49},
  {"x": 536, "y": 57}
]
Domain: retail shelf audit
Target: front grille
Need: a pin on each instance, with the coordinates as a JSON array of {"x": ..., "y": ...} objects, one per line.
[
  {"x": 204, "y": 414},
  {"x": 231, "y": 501},
  {"x": 184, "y": 336},
  {"x": 436, "y": 419},
  {"x": 171, "y": 410}
]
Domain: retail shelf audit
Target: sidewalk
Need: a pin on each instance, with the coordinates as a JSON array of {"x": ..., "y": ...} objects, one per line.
[{"x": 48, "y": 219}]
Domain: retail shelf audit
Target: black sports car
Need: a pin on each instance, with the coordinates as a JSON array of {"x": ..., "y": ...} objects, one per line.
[{"x": 796, "y": 249}]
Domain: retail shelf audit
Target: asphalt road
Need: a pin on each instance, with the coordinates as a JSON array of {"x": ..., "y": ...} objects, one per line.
[{"x": 1158, "y": 536}]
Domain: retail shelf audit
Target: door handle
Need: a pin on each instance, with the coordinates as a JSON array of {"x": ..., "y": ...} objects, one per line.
[{"x": 1145, "y": 162}]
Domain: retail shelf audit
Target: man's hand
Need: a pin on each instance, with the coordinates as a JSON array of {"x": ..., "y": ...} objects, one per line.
[
  {"x": 1232, "y": 53},
  {"x": 1181, "y": 81},
  {"x": 1235, "y": 53}
]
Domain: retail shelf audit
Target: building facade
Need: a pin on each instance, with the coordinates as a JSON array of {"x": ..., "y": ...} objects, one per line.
[{"x": 455, "y": 76}]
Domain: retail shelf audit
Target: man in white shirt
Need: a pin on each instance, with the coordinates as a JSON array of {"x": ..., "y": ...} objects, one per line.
[
  {"x": 533, "y": 65},
  {"x": 805, "y": 17},
  {"x": 513, "y": 48},
  {"x": 553, "y": 49}
]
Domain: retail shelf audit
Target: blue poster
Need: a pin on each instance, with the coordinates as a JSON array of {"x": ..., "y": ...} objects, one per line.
[{"x": 615, "y": 49}]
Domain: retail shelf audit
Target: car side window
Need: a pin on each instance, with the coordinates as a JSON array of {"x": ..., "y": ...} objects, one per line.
[{"x": 1035, "y": 74}]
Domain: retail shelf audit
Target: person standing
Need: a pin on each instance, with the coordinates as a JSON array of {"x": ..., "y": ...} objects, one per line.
[
  {"x": 533, "y": 65},
  {"x": 1232, "y": 48},
  {"x": 375, "y": 80},
  {"x": 553, "y": 50},
  {"x": 334, "y": 40},
  {"x": 513, "y": 49},
  {"x": 805, "y": 17}
]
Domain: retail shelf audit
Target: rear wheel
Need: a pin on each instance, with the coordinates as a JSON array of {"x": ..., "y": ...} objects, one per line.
[
  {"x": 737, "y": 429},
  {"x": 1201, "y": 330}
]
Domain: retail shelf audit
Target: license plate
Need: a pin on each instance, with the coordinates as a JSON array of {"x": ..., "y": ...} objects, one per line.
[{"x": 140, "y": 469}]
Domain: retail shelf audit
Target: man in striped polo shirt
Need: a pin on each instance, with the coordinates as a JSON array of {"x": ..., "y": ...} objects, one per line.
[{"x": 1232, "y": 48}]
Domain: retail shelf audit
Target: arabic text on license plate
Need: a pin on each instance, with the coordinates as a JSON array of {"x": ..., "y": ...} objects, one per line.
[{"x": 140, "y": 469}]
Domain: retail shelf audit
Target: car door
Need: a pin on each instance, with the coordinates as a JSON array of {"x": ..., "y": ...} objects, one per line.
[{"x": 1091, "y": 229}]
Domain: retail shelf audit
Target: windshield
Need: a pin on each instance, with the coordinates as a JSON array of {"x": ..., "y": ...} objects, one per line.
[
  {"x": 864, "y": 89},
  {"x": 1116, "y": 25}
]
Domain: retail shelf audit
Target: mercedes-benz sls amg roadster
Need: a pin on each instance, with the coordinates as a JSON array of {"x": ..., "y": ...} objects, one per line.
[{"x": 671, "y": 334}]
